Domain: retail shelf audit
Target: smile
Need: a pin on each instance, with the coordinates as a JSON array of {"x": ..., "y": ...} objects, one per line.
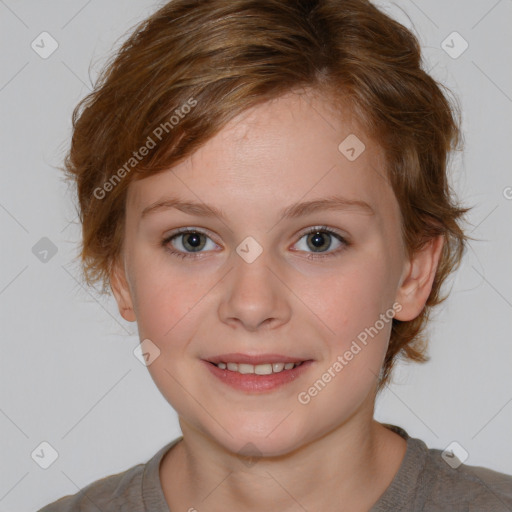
[
  {"x": 259, "y": 369},
  {"x": 263, "y": 377}
]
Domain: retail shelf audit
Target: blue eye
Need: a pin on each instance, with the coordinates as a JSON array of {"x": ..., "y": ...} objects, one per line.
[{"x": 193, "y": 241}]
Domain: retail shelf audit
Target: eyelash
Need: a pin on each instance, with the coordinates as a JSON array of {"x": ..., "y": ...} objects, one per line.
[{"x": 312, "y": 256}]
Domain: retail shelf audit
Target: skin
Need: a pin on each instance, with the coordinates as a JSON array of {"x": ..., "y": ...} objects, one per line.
[{"x": 326, "y": 454}]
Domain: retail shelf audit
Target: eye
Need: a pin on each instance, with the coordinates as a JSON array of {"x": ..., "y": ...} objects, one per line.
[
  {"x": 187, "y": 241},
  {"x": 320, "y": 239}
]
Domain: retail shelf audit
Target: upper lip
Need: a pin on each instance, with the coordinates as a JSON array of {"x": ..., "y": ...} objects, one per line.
[{"x": 254, "y": 359}]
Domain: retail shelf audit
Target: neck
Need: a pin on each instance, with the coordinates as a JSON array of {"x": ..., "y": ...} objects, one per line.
[{"x": 348, "y": 467}]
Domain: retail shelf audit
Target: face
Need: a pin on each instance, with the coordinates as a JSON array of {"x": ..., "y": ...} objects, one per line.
[{"x": 260, "y": 277}]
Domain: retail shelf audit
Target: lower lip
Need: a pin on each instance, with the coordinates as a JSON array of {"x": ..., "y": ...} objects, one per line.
[{"x": 257, "y": 383}]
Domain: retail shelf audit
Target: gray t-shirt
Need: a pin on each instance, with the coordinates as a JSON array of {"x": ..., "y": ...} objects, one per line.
[{"x": 424, "y": 482}]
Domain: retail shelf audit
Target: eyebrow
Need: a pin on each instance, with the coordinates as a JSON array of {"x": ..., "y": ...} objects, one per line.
[{"x": 293, "y": 211}]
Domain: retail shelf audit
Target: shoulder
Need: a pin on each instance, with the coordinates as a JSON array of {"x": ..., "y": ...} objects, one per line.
[
  {"x": 456, "y": 484},
  {"x": 108, "y": 493},
  {"x": 435, "y": 480},
  {"x": 134, "y": 490}
]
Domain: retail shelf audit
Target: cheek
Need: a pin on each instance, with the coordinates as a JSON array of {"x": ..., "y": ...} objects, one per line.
[
  {"x": 356, "y": 305},
  {"x": 353, "y": 299},
  {"x": 166, "y": 296},
  {"x": 354, "y": 353}
]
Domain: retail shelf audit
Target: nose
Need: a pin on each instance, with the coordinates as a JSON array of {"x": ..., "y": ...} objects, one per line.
[{"x": 254, "y": 295}]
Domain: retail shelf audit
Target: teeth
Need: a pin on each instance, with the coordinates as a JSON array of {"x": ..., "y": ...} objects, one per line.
[
  {"x": 263, "y": 369},
  {"x": 245, "y": 368},
  {"x": 258, "y": 369}
]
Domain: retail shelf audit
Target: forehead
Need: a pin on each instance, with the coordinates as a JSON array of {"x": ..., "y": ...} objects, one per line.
[{"x": 296, "y": 147}]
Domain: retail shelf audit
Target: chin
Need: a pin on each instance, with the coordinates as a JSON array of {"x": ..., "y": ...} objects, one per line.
[{"x": 253, "y": 443}]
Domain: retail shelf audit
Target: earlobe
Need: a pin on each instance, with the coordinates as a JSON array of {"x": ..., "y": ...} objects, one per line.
[
  {"x": 419, "y": 277},
  {"x": 121, "y": 291}
]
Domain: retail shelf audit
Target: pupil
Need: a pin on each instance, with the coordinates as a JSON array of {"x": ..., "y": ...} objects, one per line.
[
  {"x": 196, "y": 241},
  {"x": 318, "y": 239}
]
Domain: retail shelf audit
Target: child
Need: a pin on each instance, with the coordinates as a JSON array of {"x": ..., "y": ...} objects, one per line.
[{"x": 302, "y": 149}]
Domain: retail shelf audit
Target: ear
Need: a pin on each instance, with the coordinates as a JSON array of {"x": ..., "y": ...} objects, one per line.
[
  {"x": 121, "y": 290},
  {"x": 417, "y": 279}
]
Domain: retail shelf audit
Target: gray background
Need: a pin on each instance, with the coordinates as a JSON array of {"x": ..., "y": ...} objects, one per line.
[{"x": 69, "y": 376}]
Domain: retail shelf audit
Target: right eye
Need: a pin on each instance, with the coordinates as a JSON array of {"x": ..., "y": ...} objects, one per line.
[{"x": 187, "y": 241}]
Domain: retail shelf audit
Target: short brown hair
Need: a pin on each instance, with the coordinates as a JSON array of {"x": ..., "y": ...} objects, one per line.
[{"x": 230, "y": 55}]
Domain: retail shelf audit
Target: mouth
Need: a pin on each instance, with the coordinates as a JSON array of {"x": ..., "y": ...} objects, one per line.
[
  {"x": 257, "y": 373},
  {"x": 258, "y": 369}
]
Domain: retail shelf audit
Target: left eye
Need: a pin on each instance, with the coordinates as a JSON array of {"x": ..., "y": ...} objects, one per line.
[{"x": 321, "y": 240}]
